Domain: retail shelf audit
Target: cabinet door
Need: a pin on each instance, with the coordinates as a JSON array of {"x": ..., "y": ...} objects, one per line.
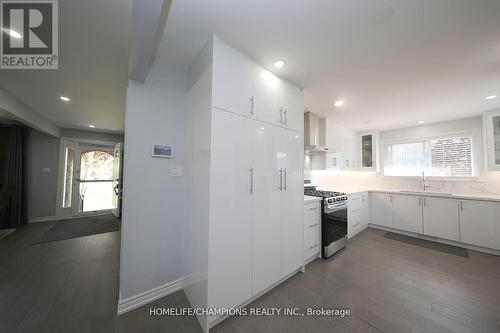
[
  {"x": 293, "y": 104},
  {"x": 293, "y": 200},
  {"x": 267, "y": 229},
  {"x": 365, "y": 209},
  {"x": 381, "y": 209},
  {"x": 441, "y": 218},
  {"x": 267, "y": 96},
  {"x": 230, "y": 249},
  {"x": 492, "y": 133},
  {"x": 480, "y": 223},
  {"x": 354, "y": 213},
  {"x": 407, "y": 212},
  {"x": 232, "y": 87}
]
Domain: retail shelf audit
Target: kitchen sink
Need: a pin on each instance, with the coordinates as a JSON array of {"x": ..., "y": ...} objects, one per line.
[{"x": 426, "y": 192}]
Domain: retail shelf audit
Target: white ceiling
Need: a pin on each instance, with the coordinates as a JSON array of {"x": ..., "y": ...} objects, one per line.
[
  {"x": 393, "y": 62},
  {"x": 94, "y": 37}
]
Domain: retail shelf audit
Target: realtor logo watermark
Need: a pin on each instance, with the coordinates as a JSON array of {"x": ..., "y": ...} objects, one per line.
[{"x": 29, "y": 34}]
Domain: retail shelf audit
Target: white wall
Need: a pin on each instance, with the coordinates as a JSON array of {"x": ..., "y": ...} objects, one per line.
[
  {"x": 43, "y": 153},
  {"x": 153, "y": 201}
]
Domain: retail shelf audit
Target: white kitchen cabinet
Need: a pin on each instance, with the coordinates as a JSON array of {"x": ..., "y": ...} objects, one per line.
[
  {"x": 358, "y": 213},
  {"x": 441, "y": 218},
  {"x": 293, "y": 107},
  {"x": 243, "y": 87},
  {"x": 491, "y": 132},
  {"x": 342, "y": 146},
  {"x": 381, "y": 209},
  {"x": 312, "y": 230},
  {"x": 267, "y": 198},
  {"x": 292, "y": 200},
  {"x": 231, "y": 210},
  {"x": 248, "y": 235},
  {"x": 367, "y": 150},
  {"x": 407, "y": 213},
  {"x": 233, "y": 86},
  {"x": 480, "y": 223}
]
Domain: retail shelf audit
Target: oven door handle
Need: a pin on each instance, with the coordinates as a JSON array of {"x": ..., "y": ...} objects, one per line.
[{"x": 329, "y": 209}]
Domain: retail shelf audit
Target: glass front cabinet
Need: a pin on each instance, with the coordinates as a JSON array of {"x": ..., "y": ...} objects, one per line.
[
  {"x": 492, "y": 138},
  {"x": 367, "y": 150}
]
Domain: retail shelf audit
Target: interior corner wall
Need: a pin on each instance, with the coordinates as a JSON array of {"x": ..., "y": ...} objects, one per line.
[
  {"x": 43, "y": 160},
  {"x": 153, "y": 200}
]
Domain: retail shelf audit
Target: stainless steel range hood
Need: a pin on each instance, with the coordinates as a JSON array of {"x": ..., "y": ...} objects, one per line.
[{"x": 313, "y": 135}]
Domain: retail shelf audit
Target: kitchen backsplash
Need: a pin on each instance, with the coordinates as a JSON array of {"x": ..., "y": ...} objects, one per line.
[{"x": 351, "y": 181}]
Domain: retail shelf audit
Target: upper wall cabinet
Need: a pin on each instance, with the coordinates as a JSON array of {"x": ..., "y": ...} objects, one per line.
[
  {"x": 367, "y": 150},
  {"x": 491, "y": 128},
  {"x": 241, "y": 86}
]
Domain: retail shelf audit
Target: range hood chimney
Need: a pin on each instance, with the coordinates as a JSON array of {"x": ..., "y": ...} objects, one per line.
[{"x": 312, "y": 135}]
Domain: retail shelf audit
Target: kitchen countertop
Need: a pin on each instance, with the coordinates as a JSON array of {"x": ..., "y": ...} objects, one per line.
[
  {"x": 308, "y": 198},
  {"x": 460, "y": 196}
]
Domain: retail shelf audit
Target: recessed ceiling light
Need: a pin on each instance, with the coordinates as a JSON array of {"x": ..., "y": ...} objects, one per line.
[
  {"x": 339, "y": 103},
  {"x": 491, "y": 97},
  {"x": 91, "y": 126},
  {"x": 420, "y": 122},
  {"x": 64, "y": 98},
  {"x": 13, "y": 33},
  {"x": 279, "y": 64}
]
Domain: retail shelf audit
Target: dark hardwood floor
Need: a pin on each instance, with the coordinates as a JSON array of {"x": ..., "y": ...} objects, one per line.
[{"x": 389, "y": 286}]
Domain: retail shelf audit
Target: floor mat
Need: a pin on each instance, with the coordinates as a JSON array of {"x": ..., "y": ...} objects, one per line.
[
  {"x": 450, "y": 249},
  {"x": 79, "y": 227}
]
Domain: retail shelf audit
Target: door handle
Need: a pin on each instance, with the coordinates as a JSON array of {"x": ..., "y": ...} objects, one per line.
[
  {"x": 284, "y": 186},
  {"x": 251, "y": 105},
  {"x": 251, "y": 179}
]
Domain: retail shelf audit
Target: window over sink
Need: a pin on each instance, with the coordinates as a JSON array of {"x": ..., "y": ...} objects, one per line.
[{"x": 447, "y": 157}]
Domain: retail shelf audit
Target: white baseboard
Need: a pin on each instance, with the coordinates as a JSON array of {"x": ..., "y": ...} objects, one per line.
[
  {"x": 42, "y": 219},
  {"x": 438, "y": 240},
  {"x": 131, "y": 303}
]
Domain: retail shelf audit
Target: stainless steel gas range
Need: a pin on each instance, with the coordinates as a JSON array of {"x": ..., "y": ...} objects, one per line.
[{"x": 333, "y": 220}]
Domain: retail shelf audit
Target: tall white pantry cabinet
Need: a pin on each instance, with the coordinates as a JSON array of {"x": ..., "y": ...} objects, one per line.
[{"x": 246, "y": 141}]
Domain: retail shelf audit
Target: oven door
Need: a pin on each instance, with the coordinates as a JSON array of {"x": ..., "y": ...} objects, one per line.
[{"x": 334, "y": 229}]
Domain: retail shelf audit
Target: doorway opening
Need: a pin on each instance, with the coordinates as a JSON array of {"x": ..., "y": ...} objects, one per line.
[{"x": 90, "y": 181}]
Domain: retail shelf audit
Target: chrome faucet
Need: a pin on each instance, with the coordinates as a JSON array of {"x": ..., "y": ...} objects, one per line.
[{"x": 424, "y": 185}]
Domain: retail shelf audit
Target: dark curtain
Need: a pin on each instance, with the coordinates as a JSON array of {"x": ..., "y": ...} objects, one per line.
[{"x": 14, "y": 181}]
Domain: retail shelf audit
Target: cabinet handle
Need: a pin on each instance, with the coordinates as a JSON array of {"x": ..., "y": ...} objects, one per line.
[
  {"x": 420, "y": 201},
  {"x": 355, "y": 210},
  {"x": 390, "y": 197},
  {"x": 284, "y": 186},
  {"x": 313, "y": 225},
  {"x": 281, "y": 115},
  {"x": 315, "y": 245},
  {"x": 251, "y": 105},
  {"x": 363, "y": 198},
  {"x": 251, "y": 179},
  {"x": 425, "y": 203},
  {"x": 280, "y": 171},
  {"x": 315, "y": 208},
  {"x": 461, "y": 205},
  {"x": 286, "y": 117},
  {"x": 355, "y": 225}
]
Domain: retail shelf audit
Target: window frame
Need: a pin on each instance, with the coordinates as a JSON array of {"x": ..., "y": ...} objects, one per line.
[{"x": 477, "y": 152}]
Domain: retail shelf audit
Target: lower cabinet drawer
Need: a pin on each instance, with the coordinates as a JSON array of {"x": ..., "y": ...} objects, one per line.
[{"x": 311, "y": 241}]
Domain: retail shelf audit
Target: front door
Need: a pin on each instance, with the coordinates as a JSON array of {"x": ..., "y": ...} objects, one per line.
[{"x": 94, "y": 179}]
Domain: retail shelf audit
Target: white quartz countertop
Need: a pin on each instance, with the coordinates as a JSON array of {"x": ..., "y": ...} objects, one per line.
[
  {"x": 308, "y": 198},
  {"x": 461, "y": 196}
]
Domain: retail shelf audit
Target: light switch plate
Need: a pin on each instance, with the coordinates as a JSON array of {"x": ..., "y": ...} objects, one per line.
[{"x": 176, "y": 171}]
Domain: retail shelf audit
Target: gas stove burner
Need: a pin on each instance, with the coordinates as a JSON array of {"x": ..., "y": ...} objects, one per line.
[{"x": 324, "y": 194}]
